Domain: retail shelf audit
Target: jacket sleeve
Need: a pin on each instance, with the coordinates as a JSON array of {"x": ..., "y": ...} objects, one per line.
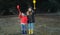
[{"x": 20, "y": 15}]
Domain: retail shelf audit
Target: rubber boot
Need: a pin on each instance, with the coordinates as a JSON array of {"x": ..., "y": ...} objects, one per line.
[
  {"x": 31, "y": 31},
  {"x": 24, "y": 32}
]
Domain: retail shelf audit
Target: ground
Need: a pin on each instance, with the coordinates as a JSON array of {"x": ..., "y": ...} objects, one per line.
[{"x": 44, "y": 25}]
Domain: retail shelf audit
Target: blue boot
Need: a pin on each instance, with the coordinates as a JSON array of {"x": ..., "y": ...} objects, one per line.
[{"x": 24, "y": 32}]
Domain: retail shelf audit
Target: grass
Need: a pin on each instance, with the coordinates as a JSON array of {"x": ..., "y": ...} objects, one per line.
[{"x": 43, "y": 26}]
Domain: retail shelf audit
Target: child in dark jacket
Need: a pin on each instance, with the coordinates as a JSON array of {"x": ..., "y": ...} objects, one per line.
[{"x": 31, "y": 20}]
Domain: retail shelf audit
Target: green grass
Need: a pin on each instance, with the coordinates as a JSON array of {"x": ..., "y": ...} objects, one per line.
[{"x": 12, "y": 26}]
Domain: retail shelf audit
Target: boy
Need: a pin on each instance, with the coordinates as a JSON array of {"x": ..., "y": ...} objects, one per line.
[{"x": 31, "y": 20}]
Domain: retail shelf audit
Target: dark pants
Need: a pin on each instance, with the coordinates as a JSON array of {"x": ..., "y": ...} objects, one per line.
[{"x": 23, "y": 28}]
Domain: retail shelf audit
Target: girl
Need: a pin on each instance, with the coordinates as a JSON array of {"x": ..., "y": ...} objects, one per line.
[
  {"x": 23, "y": 22},
  {"x": 23, "y": 18},
  {"x": 31, "y": 20}
]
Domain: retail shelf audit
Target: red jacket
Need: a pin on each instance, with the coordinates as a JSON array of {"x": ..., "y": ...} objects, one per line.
[{"x": 23, "y": 19}]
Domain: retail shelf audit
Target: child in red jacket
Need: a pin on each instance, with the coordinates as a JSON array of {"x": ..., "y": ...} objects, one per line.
[{"x": 23, "y": 21}]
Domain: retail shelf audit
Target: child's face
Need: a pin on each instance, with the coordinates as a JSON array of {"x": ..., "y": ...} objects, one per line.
[{"x": 29, "y": 9}]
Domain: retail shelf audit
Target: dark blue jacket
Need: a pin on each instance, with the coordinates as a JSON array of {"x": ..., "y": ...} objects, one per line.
[{"x": 31, "y": 18}]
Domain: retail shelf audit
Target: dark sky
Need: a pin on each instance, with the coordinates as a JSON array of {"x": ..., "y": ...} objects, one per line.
[
  {"x": 9, "y": 3},
  {"x": 42, "y": 5}
]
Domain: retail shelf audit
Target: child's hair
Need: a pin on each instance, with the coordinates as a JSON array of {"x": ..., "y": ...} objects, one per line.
[{"x": 30, "y": 13}]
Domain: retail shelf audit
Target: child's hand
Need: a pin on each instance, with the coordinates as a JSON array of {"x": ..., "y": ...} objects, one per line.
[{"x": 27, "y": 13}]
